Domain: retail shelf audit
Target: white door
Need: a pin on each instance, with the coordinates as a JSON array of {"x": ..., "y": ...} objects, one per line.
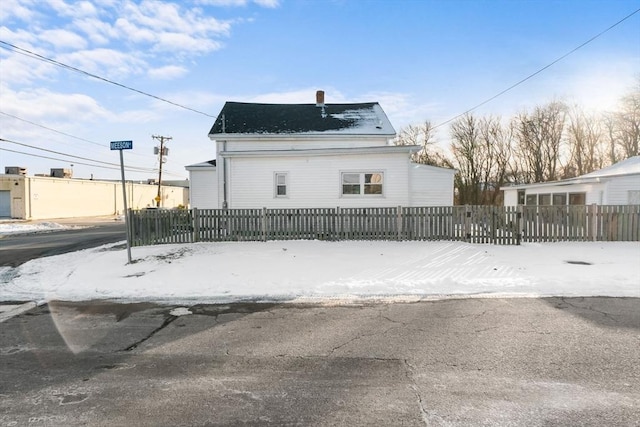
[{"x": 5, "y": 204}]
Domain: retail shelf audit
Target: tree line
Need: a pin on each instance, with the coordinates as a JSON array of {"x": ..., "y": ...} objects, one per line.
[{"x": 548, "y": 143}]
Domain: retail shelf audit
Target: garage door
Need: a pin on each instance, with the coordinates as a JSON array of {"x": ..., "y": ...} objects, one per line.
[{"x": 5, "y": 204}]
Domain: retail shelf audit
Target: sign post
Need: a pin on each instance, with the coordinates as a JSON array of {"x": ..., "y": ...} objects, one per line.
[{"x": 124, "y": 145}]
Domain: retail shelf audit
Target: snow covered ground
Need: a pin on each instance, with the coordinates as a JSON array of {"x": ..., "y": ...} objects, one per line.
[{"x": 326, "y": 272}]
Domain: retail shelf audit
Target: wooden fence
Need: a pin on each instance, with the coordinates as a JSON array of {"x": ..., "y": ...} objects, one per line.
[{"x": 509, "y": 225}]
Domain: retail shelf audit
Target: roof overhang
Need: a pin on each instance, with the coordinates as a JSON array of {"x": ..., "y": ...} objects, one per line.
[
  {"x": 564, "y": 183},
  {"x": 323, "y": 151},
  {"x": 296, "y": 136}
]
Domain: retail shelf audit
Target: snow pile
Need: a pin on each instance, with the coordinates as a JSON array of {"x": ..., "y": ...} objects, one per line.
[{"x": 319, "y": 271}]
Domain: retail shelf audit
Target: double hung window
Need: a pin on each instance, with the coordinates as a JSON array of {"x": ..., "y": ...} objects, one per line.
[
  {"x": 362, "y": 183},
  {"x": 280, "y": 181}
]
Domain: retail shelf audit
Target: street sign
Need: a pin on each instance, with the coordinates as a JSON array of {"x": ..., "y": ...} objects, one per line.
[
  {"x": 121, "y": 145},
  {"x": 124, "y": 145}
]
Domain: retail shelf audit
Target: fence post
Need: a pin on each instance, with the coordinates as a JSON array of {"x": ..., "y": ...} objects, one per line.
[
  {"x": 264, "y": 224},
  {"x": 593, "y": 221},
  {"x": 467, "y": 223},
  {"x": 195, "y": 225},
  {"x": 399, "y": 221},
  {"x": 519, "y": 224}
]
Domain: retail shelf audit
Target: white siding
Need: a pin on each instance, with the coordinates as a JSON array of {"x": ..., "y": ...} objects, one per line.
[
  {"x": 511, "y": 197},
  {"x": 618, "y": 189},
  {"x": 315, "y": 181},
  {"x": 594, "y": 192},
  {"x": 203, "y": 189},
  {"x": 430, "y": 186},
  {"x": 298, "y": 144}
]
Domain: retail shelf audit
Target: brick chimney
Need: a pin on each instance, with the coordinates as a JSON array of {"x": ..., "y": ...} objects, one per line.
[{"x": 320, "y": 98}]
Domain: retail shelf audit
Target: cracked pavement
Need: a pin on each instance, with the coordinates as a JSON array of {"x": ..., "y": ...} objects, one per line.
[{"x": 457, "y": 362}]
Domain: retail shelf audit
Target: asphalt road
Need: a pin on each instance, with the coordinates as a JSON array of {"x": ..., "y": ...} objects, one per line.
[
  {"x": 468, "y": 362},
  {"x": 16, "y": 249}
]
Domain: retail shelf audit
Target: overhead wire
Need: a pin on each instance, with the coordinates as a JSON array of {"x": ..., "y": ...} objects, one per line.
[
  {"x": 78, "y": 138},
  {"x": 30, "y": 54},
  {"x": 109, "y": 165},
  {"x": 538, "y": 71}
]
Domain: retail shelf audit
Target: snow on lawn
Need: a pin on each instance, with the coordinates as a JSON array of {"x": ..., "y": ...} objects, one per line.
[{"x": 332, "y": 272}]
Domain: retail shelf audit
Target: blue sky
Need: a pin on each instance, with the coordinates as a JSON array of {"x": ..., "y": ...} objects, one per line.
[{"x": 421, "y": 60}]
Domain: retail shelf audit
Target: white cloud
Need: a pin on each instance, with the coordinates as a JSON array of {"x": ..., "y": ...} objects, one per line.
[
  {"x": 167, "y": 72},
  {"x": 98, "y": 31},
  {"x": 45, "y": 106},
  {"x": 268, "y": 3},
  {"x": 63, "y": 39},
  {"x": 15, "y": 8},
  {"x": 109, "y": 62},
  {"x": 240, "y": 3}
]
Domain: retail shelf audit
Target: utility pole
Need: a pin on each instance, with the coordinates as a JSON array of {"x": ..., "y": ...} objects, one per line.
[{"x": 160, "y": 151}]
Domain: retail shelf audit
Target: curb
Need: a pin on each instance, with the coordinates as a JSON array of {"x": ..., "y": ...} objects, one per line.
[{"x": 16, "y": 310}]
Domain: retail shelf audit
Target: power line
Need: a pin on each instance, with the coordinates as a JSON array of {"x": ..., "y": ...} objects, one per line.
[
  {"x": 43, "y": 58},
  {"x": 52, "y": 130},
  {"x": 66, "y": 160},
  {"x": 57, "y": 159},
  {"x": 539, "y": 71},
  {"x": 141, "y": 169},
  {"x": 62, "y": 133}
]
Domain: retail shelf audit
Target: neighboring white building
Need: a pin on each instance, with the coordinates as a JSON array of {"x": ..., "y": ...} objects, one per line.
[
  {"x": 312, "y": 155},
  {"x": 36, "y": 197},
  {"x": 618, "y": 184}
]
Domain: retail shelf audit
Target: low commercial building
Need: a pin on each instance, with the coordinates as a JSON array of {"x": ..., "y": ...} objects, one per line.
[{"x": 35, "y": 197}]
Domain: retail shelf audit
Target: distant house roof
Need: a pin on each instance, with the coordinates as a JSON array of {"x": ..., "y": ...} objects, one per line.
[
  {"x": 239, "y": 118},
  {"x": 630, "y": 166},
  {"x": 625, "y": 167}
]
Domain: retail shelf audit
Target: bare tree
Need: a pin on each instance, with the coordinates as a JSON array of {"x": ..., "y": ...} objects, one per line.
[
  {"x": 628, "y": 124},
  {"x": 496, "y": 140},
  {"x": 423, "y": 135},
  {"x": 468, "y": 156},
  {"x": 585, "y": 138},
  {"x": 539, "y": 142}
]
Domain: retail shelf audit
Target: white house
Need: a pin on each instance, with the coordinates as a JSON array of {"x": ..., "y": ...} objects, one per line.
[
  {"x": 312, "y": 155},
  {"x": 618, "y": 184}
]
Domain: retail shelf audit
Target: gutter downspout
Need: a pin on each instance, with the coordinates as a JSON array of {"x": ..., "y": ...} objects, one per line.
[{"x": 225, "y": 204}]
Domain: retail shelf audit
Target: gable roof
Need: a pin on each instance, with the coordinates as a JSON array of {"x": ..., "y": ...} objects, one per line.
[
  {"x": 630, "y": 166},
  {"x": 239, "y": 118},
  {"x": 625, "y": 167}
]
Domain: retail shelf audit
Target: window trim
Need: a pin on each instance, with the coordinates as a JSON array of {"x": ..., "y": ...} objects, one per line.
[
  {"x": 276, "y": 185},
  {"x": 362, "y": 183}
]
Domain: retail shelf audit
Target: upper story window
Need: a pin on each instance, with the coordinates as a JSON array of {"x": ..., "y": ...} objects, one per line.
[
  {"x": 362, "y": 183},
  {"x": 280, "y": 180}
]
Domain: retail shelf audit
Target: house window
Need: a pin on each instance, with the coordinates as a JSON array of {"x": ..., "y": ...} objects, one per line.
[
  {"x": 559, "y": 199},
  {"x": 634, "y": 197},
  {"x": 362, "y": 183},
  {"x": 521, "y": 194},
  {"x": 577, "y": 198},
  {"x": 532, "y": 199},
  {"x": 280, "y": 184},
  {"x": 544, "y": 199}
]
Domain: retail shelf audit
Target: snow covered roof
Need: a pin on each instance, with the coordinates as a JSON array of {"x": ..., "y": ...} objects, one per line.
[
  {"x": 238, "y": 118},
  {"x": 629, "y": 166}
]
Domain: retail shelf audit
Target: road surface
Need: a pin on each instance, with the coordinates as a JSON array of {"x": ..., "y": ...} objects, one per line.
[
  {"x": 468, "y": 362},
  {"x": 16, "y": 249}
]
